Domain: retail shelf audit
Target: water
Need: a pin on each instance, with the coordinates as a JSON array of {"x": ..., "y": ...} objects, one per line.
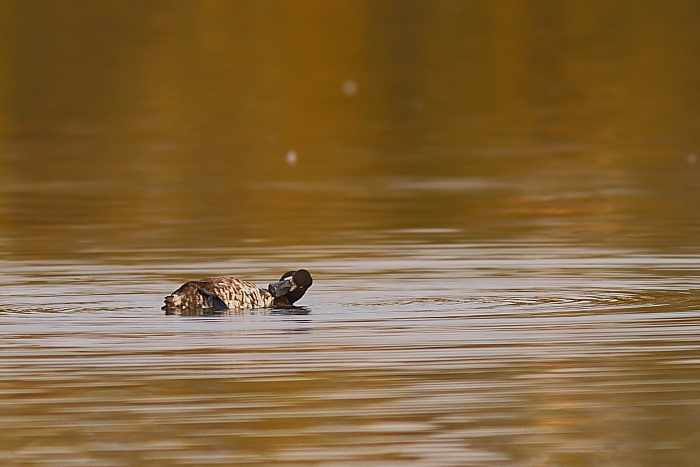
[
  {"x": 404, "y": 355},
  {"x": 498, "y": 203}
]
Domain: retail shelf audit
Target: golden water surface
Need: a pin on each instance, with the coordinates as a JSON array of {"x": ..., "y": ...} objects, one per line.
[{"x": 499, "y": 202}]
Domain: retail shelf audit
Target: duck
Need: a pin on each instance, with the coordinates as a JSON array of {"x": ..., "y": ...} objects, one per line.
[{"x": 225, "y": 293}]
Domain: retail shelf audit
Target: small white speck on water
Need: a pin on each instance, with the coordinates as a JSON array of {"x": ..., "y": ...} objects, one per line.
[
  {"x": 691, "y": 158},
  {"x": 291, "y": 157},
  {"x": 349, "y": 88}
]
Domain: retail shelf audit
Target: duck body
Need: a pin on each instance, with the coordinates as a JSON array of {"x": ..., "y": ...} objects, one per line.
[{"x": 223, "y": 293}]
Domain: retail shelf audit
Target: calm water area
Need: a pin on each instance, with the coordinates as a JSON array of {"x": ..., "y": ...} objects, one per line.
[{"x": 499, "y": 202}]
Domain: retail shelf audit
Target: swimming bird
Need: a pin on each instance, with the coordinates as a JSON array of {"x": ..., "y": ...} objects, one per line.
[{"x": 224, "y": 293}]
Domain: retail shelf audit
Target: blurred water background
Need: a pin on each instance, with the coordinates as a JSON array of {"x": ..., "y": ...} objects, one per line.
[{"x": 499, "y": 202}]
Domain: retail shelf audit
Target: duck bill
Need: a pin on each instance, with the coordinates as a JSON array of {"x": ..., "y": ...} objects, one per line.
[{"x": 280, "y": 288}]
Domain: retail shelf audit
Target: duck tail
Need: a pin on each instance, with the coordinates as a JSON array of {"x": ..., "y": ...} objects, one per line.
[{"x": 169, "y": 303}]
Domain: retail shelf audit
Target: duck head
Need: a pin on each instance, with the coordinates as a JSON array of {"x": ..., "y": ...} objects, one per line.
[{"x": 291, "y": 287}]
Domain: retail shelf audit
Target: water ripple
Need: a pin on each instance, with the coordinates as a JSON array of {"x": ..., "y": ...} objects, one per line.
[{"x": 427, "y": 356}]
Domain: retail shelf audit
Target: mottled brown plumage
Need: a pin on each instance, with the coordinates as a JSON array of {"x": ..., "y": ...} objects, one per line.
[{"x": 221, "y": 293}]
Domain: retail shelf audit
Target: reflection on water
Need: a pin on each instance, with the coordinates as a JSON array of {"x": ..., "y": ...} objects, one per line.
[
  {"x": 148, "y": 125},
  {"x": 411, "y": 355},
  {"x": 499, "y": 202}
]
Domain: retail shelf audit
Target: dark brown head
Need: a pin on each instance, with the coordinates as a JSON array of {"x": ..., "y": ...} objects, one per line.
[{"x": 291, "y": 287}]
